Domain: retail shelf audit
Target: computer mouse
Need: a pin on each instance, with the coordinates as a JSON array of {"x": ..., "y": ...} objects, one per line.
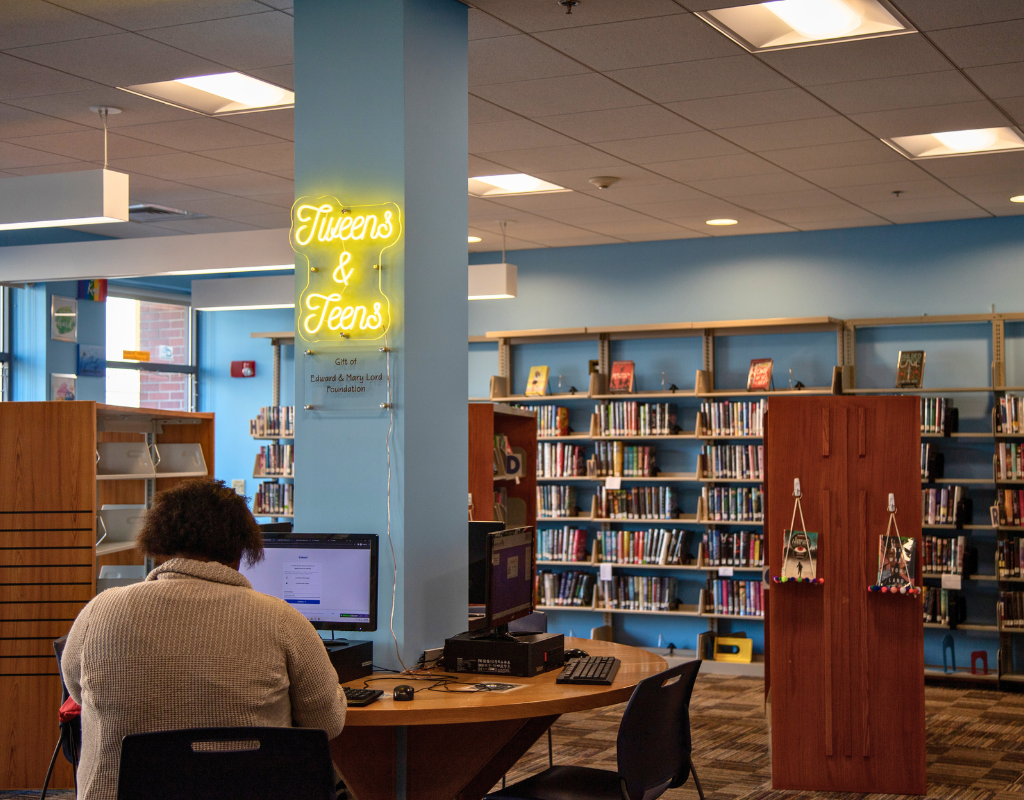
[
  {"x": 575, "y": 653},
  {"x": 404, "y": 692}
]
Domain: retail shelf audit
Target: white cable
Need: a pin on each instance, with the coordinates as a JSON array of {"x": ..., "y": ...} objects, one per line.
[{"x": 387, "y": 447}]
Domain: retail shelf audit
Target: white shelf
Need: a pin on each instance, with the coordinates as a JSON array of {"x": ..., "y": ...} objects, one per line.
[
  {"x": 106, "y": 548},
  {"x": 259, "y": 477},
  {"x": 271, "y": 514},
  {"x": 151, "y": 475}
]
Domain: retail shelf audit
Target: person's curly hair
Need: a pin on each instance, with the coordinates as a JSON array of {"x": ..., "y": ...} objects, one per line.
[{"x": 202, "y": 519}]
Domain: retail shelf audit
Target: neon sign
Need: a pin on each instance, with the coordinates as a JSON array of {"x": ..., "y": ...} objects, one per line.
[{"x": 343, "y": 247}]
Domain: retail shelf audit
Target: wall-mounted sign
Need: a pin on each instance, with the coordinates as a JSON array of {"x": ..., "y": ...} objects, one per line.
[
  {"x": 349, "y": 381},
  {"x": 343, "y": 248}
]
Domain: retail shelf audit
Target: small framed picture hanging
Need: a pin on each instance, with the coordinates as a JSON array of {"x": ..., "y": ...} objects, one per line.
[
  {"x": 63, "y": 319},
  {"x": 62, "y": 387}
]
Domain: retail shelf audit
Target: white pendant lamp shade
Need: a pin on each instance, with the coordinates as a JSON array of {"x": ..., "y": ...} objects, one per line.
[
  {"x": 492, "y": 281},
  {"x": 66, "y": 198}
]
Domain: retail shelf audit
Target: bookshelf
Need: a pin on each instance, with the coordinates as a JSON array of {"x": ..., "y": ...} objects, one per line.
[
  {"x": 275, "y": 496},
  {"x": 697, "y": 348},
  {"x": 486, "y": 475}
]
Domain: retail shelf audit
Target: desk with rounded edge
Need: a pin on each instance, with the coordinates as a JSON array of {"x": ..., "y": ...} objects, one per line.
[{"x": 443, "y": 745}]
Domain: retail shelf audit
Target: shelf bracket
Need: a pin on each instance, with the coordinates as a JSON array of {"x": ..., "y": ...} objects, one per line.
[
  {"x": 505, "y": 359},
  {"x": 708, "y": 340},
  {"x": 998, "y": 353},
  {"x": 604, "y": 354}
]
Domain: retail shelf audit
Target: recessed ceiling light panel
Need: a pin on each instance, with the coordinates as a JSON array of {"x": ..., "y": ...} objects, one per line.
[
  {"x": 1017, "y": 199},
  {"x": 474, "y": 239},
  {"x": 516, "y": 183},
  {"x": 215, "y": 95},
  {"x": 721, "y": 222},
  {"x": 798, "y": 23},
  {"x": 957, "y": 143}
]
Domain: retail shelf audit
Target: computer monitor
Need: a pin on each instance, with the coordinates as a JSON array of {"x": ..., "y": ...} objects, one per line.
[
  {"x": 330, "y": 578},
  {"x": 501, "y": 568}
]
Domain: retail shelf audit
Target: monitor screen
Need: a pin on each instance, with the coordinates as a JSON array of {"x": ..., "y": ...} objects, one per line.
[
  {"x": 331, "y": 579},
  {"x": 511, "y": 584}
]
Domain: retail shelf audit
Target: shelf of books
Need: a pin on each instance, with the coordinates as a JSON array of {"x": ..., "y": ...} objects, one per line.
[
  {"x": 632, "y": 457},
  {"x": 274, "y": 465}
]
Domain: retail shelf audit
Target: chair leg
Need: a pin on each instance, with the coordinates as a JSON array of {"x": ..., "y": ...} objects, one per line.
[
  {"x": 696, "y": 780},
  {"x": 551, "y": 754}
]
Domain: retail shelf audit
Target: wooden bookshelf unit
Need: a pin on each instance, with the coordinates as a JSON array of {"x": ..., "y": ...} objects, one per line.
[{"x": 485, "y": 421}]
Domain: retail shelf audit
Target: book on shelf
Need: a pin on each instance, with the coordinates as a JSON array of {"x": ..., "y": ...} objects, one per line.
[
  {"x": 1010, "y": 503},
  {"x": 946, "y": 505},
  {"x": 732, "y": 417},
  {"x": 1011, "y": 609},
  {"x": 273, "y": 499},
  {"x": 569, "y": 588},
  {"x": 944, "y": 554},
  {"x": 799, "y": 555},
  {"x": 733, "y": 503},
  {"x": 637, "y": 502},
  {"x": 732, "y": 549},
  {"x": 622, "y": 379},
  {"x": 1009, "y": 466},
  {"x": 938, "y": 416},
  {"x": 556, "y": 501},
  {"x": 537, "y": 382},
  {"x": 638, "y": 593},
  {"x": 944, "y": 607},
  {"x": 275, "y": 460},
  {"x": 759, "y": 378},
  {"x": 734, "y": 597},
  {"x": 620, "y": 460},
  {"x": 551, "y": 420},
  {"x": 654, "y": 546},
  {"x": 732, "y": 461},
  {"x": 501, "y": 504},
  {"x": 273, "y": 421},
  {"x": 562, "y": 544},
  {"x": 1009, "y": 413},
  {"x": 561, "y": 460},
  {"x": 1008, "y": 558},
  {"x": 910, "y": 369},
  {"x": 630, "y": 418}
]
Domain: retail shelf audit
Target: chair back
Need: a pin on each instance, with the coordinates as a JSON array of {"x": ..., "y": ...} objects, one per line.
[
  {"x": 214, "y": 763},
  {"x": 654, "y": 735}
]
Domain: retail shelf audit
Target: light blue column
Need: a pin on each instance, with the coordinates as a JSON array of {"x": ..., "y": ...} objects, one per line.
[{"x": 381, "y": 117}]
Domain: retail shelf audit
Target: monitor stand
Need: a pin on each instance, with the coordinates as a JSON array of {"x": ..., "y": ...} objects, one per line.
[{"x": 497, "y": 634}]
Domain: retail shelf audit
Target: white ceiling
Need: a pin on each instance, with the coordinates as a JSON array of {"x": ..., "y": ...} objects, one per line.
[{"x": 692, "y": 125}]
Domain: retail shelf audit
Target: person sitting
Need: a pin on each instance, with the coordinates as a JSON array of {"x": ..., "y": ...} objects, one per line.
[{"x": 193, "y": 646}]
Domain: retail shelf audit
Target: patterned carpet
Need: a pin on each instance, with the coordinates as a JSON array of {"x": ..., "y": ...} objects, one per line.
[{"x": 975, "y": 745}]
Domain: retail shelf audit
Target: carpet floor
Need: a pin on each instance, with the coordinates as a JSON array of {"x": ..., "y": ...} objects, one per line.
[{"x": 975, "y": 742}]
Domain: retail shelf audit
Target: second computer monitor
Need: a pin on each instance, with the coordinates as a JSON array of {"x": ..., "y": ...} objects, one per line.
[{"x": 501, "y": 572}]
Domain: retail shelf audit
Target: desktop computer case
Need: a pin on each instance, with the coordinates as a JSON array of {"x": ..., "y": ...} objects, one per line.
[{"x": 528, "y": 655}]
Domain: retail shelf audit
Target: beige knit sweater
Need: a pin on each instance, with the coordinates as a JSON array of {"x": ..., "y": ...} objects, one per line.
[{"x": 193, "y": 646}]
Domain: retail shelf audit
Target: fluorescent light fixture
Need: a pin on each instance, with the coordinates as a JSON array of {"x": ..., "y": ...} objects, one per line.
[
  {"x": 492, "y": 281},
  {"x": 214, "y": 95},
  {"x": 89, "y": 197},
  {"x": 226, "y": 270},
  {"x": 781, "y": 24},
  {"x": 517, "y": 183},
  {"x": 474, "y": 239},
  {"x": 721, "y": 222},
  {"x": 1018, "y": 199},
  {"x": 957, "y": 143},
  {"x": 243, "y": 294}
]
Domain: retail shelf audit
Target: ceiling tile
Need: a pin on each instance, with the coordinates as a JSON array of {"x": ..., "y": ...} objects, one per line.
[
  {"x": 247, "y": 42},
  {"x": 929, "y": 15},
  {"x": 619, "y": 123},
  {"x": 206, "y": 225},
  {"x": 773, "y": 201},
  {"x": 999, "y": 204},
  {"x": 898, "y": 91},
  {"x": 551, "y": 96},
  {"x": 641, "y": 42},
  {"x": 894, "y": 173},
  {"x": 748, "y": 223},
  {"x": 281, "y": 200},
  {"x": 817, "y": 213},
  {"x": 546, "y": 205},
  {"x": 632, "y": 195},
  {"x": 858, "y": 60},
  {"x": 864, "y": 221},
  {"x": 999, "y": 80},
  {"x": 278, "y": 218},
  {"x": 282, "y": 75},
  {"x": 482, "y": 111},
  {"x": 231, "y": 207},
  {"x": 516, "y": 58},
  {"x": 575, "y": 156},
  {"x": 781, "y": 105},
  {"x": 199, "y": 133},
  {"x": 910, "y": 191},
  {"x": 894, "y": 208},
  {"x": 179, "y": 166},
  {"x": 1010, "y": 184},
  {"x": 1014, "y": 106},
  {"x": 480, "y": 166},
  {"x": 279, "y": 122},
  {"x": 28, "y": 22},
  {"x": 513, "y": 134},
  {"x": 937, "y": 215},
  {"x": 843, "y": 154},
  {"x": 700, "y": 208},
  {"x": 982, "y": 164},
  {"x": 731, "y": 188},
  {"x": 702, "y": 169},
  {"x": 16, "y": 122},
  {"x": 88, "y": 145},
  {"x": 74, "y": 107},
  {"x": 138, "y": 60},
  {"x": 545, "y": 15},
  {"x": 978, "y": 45},
  {"x": 20, "y": 78},
  {"x": 139, "y": 14},
  {"x": 677, "y": 232},
  {"x": 583, "y": 239},
  {"x": 651, "y": 149},
  {"x": 12, "y": 155},
  {"x": 483, "y": 26},
  {"x": 800, "y": 133},
  {"x": 713, "y": 77},
  {"x": 912, "y": 121},
  {"x": 146, "y": 189},
  {"x": 47, "y": 169},
  {"x": 626, "y": 230},
  {"x": 601, "y": 213},
  {"x": 579, "y": 179},
  {"x": 126, "y": 230},
  {"x": 708, "y": 5},
  {"x": 249, "y": 184},
  {"x": 264, "y": 157}
]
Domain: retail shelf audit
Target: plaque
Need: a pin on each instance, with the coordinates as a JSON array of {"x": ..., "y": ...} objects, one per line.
[{"x": 346, "y": 381}]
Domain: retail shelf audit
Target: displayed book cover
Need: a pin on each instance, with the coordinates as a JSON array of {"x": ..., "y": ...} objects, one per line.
[
  {"x": 537, "y": 383},
  {"x": 910, "y": 369},
  {"x": 62, "y": 387},
  {"x": 800, "y": 555},
  {"x": 622, "y": 376},
  {"x": 759, "y": 379},
  {"x": 896, "y": 568}
]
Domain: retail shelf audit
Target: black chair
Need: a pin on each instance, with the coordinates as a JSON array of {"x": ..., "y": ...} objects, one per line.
[
  {"x": 70, "y": 740},
  {"x": 653, "y": 749},
  {"x": 214, "y": 763}
]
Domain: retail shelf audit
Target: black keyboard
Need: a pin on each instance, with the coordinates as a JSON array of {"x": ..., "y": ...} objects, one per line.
[
  {"x": 361, "y": 697},
  {"x": 592, "y": 670}
]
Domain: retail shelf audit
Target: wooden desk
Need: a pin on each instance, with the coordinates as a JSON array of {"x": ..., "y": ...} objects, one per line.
[{"x": 445, "y": 746}]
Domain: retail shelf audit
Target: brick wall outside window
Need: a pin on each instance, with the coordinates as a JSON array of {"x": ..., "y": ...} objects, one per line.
[{"x": 167, "y": 325}]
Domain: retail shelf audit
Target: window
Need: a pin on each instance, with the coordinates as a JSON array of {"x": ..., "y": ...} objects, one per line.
[
  {"x": 149, "y": 352},
  {"x": 5, "y": 343}
]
